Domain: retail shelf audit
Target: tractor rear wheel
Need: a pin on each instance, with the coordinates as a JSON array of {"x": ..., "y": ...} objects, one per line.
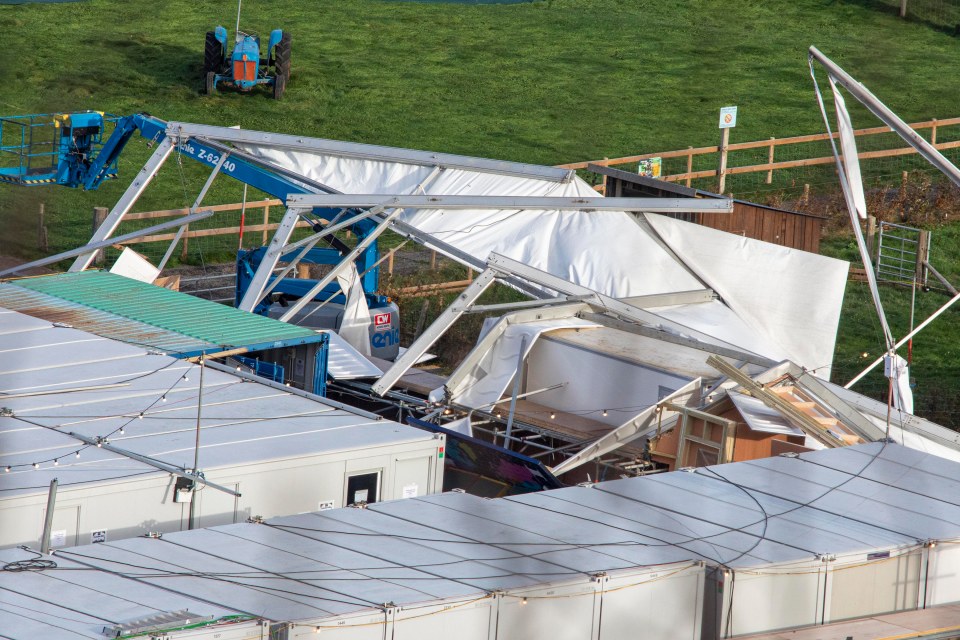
[
  {"x": 212, "y": 54},
  {"x": 281, "y": 67}
]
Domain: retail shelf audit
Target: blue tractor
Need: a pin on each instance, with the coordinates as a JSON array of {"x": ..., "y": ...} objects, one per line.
[{"x": 243, "y": 68}]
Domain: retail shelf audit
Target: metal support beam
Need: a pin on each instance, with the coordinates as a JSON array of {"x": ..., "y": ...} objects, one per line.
[
  {"x": 94, "y": 246},
  {"x": 695, "y": 296},
  {"x": 193, "y": 209},
  {"x": 333, "y": 273},
  {"x": 807, "y": 424},
  {"x": 517, "y": 317},
  {"x": 612, "y": 305},
  {"x": 463, "y": 257},
  {"x": 306, "y": 182},
  {"x": 434, "y": 331},
  {"x": 889, "y": 118},
  {"x": 640, "y": 425},
  {"x": 667, "y": 336},
  {"x": 162, "y": 466},
  {"x": 526, "y": 304},
  {"x": 516, "y": 390},
  {"x": 933, "y": 316},
  {"x": 458, "y": 202},
  {"x": 329, "y": 230},
  {"x": 371, "y": 152},
  {"x": 126, "y": 201},
  {"x": 936, "y": 274},
  {"x": 48, "y": 517},
  {"x": 254, "y": 293}
]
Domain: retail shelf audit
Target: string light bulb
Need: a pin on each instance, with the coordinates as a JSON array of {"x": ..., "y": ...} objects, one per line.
[
  {"x": 78, "y": 454},
  {"x": 186, "y": 378},
  {"x": 36, "y": 465},
  {"x": 604, "y": 413},
  {"x": 121, "y": 430},
  {"x": 523, "y": 601},
  {"x": 56, "y": 462},
  {"x": 163, "y": 398},
  {"x": 7, "y": 469},
  {"x": 553, "y": 416},
  {"x": 139, "y": 416}
]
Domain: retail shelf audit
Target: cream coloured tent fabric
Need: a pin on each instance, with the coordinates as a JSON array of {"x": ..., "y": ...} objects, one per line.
[
  {"x": 612, "y": 253},
  {"x": 791, "y": 298}
]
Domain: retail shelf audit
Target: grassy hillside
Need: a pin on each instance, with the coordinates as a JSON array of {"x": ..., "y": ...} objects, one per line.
[{"x": 548, "y": 82}]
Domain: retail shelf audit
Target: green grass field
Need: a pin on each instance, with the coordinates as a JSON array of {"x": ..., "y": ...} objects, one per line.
[{"x": 548, "y": 82}]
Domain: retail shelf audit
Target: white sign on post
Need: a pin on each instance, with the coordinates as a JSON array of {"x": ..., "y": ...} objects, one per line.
[{"x": 728, "y": 117}]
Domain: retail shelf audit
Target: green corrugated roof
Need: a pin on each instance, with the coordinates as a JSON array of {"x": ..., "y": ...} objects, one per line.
[{"x": 165, "y": 309}]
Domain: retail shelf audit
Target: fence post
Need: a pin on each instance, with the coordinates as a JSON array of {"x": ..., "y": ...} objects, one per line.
[
  {"x": 99, "y": 215},
  {"x": 871, "y": 233},
  {"x": 183, "y": 248},
  {"x": 806, "y": 195},
  {"x": 689, "y": 164},
  {"x": 922, "y": 257},
  {"x": 41, "y": 231},
  {"x": 722, "y": 171},
  {"x": 933, "y": 133},
  {"x": 390, "y": 262},
  {"x": 770, "y": 159},
  {"x": 433, "y": 260},
  {"x": 903, "y": 8},
  {"x": 266, "y": 221}
]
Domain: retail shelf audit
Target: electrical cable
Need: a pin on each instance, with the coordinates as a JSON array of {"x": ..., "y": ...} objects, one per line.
[{"x": 36, "y": 563}]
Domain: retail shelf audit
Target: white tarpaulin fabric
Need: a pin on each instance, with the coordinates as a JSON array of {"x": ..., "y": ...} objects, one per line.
[
  {"x": 463, "y": 425},
  {"x": 898, "y": 369},
  {"x": 790, "y": 298},
  {"x": 608, "y": 252},
  {"x": 488, "y": 380},
  {"x": 604, "y": 251},
  {"x": 344, "y": 362},
  {"x": 355, "y": 326},
  {"x": 851, "y": 162}
]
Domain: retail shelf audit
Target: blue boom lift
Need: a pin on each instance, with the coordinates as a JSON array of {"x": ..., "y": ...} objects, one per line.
[{"x": 74, "y": 150}]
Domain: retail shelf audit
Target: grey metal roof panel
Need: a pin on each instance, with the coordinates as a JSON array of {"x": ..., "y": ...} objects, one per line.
[
  {"x": 747, "y": 515},
  {"x": 79, "y": 601},
  {"x": 58, "y": 380}
]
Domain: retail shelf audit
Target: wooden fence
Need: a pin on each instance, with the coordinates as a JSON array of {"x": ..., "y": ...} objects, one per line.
[
  {"x": 259, "y": 209},
  {"x": 771, "y": 165}
]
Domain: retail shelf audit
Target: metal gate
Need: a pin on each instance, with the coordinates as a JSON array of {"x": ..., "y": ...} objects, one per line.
[{"x": 901, "y": 252}]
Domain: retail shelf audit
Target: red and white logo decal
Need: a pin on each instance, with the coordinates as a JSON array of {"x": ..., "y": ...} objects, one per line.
[{"x": 381, "y": 319}]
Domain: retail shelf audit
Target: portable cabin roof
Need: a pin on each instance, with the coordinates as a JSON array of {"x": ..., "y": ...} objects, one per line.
[
  {"x": 57, "y": 380},
  {"x": 775, "y": 511}
]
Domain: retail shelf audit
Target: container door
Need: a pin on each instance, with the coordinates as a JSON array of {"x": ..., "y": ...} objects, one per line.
[
  {"x": 411, "y": 477},
  {"x": 363, "y": 487}
]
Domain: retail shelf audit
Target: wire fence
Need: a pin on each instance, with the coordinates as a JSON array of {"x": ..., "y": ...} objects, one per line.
[
  {"x": 799, "y": 168},
  {"x": 940, "y": 14}
]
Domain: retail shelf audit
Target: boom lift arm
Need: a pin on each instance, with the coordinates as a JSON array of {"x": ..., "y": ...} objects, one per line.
[{"x": 68, "y": 149}]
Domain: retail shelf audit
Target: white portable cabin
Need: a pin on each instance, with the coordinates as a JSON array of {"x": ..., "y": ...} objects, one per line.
[
  {"x": 796, "y": 541},
  {"x": 264, "y": 449}
]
